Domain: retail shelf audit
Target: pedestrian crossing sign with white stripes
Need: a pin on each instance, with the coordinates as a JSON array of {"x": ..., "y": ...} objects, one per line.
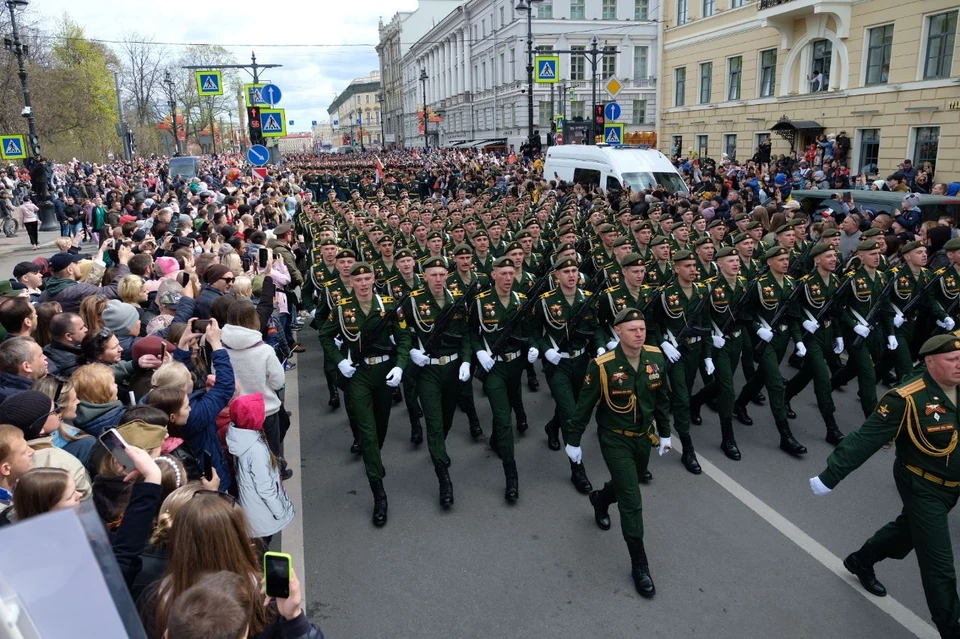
[
  {"x": 209, "y": 83},
  {"x": 273, "y": 123},
  {"x": 613, "y": 133},
  {"x": 12, "y": 147},
  {"x": 548, "y": 69}
]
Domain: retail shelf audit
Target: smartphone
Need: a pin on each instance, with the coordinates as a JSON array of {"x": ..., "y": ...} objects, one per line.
[
  {"x": 116, "y": 446},
  {"x": 163, "y": 351},
  {"x": 262, "y": 255},
  {"x": 208, "y": 465},
  {"x": 199, "y": 326},
  {"x": 276, "y": 574}
]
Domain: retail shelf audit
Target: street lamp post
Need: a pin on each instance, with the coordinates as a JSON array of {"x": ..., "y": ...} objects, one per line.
[
  {"x": 527, "y": 5},
  {"x": 426, "y": 120},
  {"x": 172, "y": 103},
  {"x": 383, "y": 137}
]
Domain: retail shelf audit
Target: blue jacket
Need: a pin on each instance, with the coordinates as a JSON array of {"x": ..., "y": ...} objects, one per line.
[
  {"x": 93, "y": 419},
  {"x": 910, "y": 219},
  {"x": 200, "y": 431},
  {"x": 11, "y": 384}
]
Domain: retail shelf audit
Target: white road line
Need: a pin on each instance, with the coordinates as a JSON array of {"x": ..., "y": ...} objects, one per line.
[
  {"x": 292, "y": 537},
  {"x": 900, "y": 613}
]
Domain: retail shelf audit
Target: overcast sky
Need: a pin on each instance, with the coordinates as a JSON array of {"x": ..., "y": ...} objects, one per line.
[{"x": 311, "y": 75}]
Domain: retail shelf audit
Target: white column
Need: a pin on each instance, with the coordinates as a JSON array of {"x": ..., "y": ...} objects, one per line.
[{"x": 464, "y": 63}]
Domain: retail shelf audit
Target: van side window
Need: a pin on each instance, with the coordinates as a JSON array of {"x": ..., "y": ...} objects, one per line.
[
  {"x": 613, "y": 184},
  {"x": 586, "y": 177}
]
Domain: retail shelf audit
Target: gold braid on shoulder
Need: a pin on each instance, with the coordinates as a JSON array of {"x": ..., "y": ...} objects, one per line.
[
  {"x": 911, "y": 419},
  {"x": 629, "y": 407}
]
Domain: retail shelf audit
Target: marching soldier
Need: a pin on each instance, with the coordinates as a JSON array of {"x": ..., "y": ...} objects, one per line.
[
  {"x": 948, "y": 290},
  {"x": 631, "y": 293},
  {"x": 373, "y": 366},
  {"x": 659, "y": 269},
  {"x": 459, "y": 282},
  {"x": 406, "y": 281},
  {"x": 627, "y": 388}
]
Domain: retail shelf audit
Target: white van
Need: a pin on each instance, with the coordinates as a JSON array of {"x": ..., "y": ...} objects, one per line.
[{"x": 611, "y": 167}]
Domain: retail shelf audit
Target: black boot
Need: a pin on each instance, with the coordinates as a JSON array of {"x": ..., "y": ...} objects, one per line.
[
  {"x": 532, "y": 382},
  {"x": 689, "y": 457},
  {"x": 334, "y": 402},
  {"x": 861, "y": 563},
  {"x": 446, "y": 486},
  {"x": 601, "y": 506},
  {"x": 790, "y": 413},
  {"x": 759, "y": 399},
  {"x": 476, "y": 431},
  {"x": 553, "y": 435},
  {"x": 397, "y": 396},
  {"x": 834, "y": 434},
  {"x": 416, "y": 431},
  {"x": 727, "y": 443},
  {"x": 355, "y": 446},
  {"x": 788, "y": 443},
  {"x": 646, "y": 477},
  {"x": 578, "y": 476},
  {"x": 740, "y": 412},
  {"x": 285, "y": 472},
  {"x": 379, "y": 503},
  {"x": 695, "y": 404},
  {"x": 640, "y": 570},
  {"x": 495, "y": 443},
  {"x": 522, "y": 425},
  {"x": 512, "y": 491}
]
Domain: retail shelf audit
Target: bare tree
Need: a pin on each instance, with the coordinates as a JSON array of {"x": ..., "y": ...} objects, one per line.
[{"x": 142, "y": 77}]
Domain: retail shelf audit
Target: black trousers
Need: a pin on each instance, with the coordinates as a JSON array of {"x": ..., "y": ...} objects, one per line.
[{"x": 32, "y": 228}]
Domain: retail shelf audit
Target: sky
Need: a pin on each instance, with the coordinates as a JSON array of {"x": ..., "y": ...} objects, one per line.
[{"x": 311, "y": 76}]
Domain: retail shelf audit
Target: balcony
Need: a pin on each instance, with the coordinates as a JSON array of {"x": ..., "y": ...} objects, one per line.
[{"x": 781, "y": 15}]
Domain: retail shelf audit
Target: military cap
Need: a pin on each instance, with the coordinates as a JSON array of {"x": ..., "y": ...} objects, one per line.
[
  {"x": 457, "y": 226},
  {"x": 703, "y": 240},
  {"x": 868, "y": 245},
  {"x": 820, "y": 248},
  {"x": 566, "y": 228},
  {"x": 479, "y": 233},
  {"x": 361, "y": 268},
  {"x": 632, "y": 259},
  {"x": 660, "y": 239},
  {"x": 566, "y": 246},
  {"x": 726, "y": 251},
  {"x": 620, "y": 241},
  {"x": 683, "y": 256},
  {"x": 797, "y": 221},
  {"x": 376, "y": 227},
  {"x": 776, "y": 251},
  {"x": 606, "y": 228},
  {"x": 714, "y": 224},
  {"x": 513, "y": 246},
  {"x": 402, "y": 253},
  {"x": 462, "y": 249},
  {"x": 741, "y": 216},
  {"x": 342, "y": 253},
  {"x": 830, "y": 233},
  {"x": 645, "y": 225},
  {"x": 952, "y": 245},
  {"x": 282, "y": 229},
  {"x": 385, "y": 238},
  {"x": 940, "y": 344},
  {"x": 784, "y": 228},
  {"x": 328, "y": 242},
  {"x": 752, "y": 225},
  {"x": 565, "y": 262},
  {"x": 522, "y": 234},
  {"x": 531, "y": 222},
  {"x": 627, "y": 315},
  {"x": 437, "y": 260},
  {"x": 872, "y": 232},
  {"x": 504, "y": 262},
  {"x": 435, "y": 235},
  {"x": 910, "y": 246},
  {"x": 740, "y": 237}
]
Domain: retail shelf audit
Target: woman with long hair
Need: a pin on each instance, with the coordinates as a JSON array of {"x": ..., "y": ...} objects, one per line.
[
  {"x": 42, "y": 490},
  {"x": 91, "y": 310},
  {"x": 98, "y": 408},
  {"x": 66, "y": 436},
  {"x": 45, "y": 314}
]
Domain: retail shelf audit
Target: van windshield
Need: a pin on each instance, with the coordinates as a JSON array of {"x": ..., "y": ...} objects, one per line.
[
  {"x": 185, "y": 167},
  {"x": 644, "y": 181}
]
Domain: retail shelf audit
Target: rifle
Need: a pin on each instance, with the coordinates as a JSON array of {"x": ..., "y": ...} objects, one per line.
[
  {"x": 656, "y": 294},
  {"x": 800, "y": 259},
  {"x": 884, "y": 295},
  {"x": 742, "y": 302},
  {"x": 446, "y": 316},
  {"x": 382, "y": 324},
  {"x": 508, "y": 329},
  {"x": 594, "y": 286},
  {"x": 689, "y": 327},
  {"x": 781, "y": 311},
  {"x": 918, "y": 295},
  {"x": 833, "y": 298}
]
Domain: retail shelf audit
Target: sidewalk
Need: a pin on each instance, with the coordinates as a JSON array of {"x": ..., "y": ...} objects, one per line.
[{"x": 21, "y": 244}]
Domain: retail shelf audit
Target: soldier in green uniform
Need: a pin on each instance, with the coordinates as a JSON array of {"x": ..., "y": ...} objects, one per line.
[
  {"x": 705, "y": 250},
  {"x": 406, "y": 281},
  {"x": 602, "y": 253},
  {"x": 459, "y": 282},
  {"x": 445, "y": 363},
  {"x": 385, "y": 268},
  {"x": 659, "y": 269},
  {"x": 566, "y": 350},
  {"x": 482, "y": 258},
  {"x": 332, "y": 291},
  {"x": 627, "y": 388},
  {"x": 642, "y": 235},
  {"x": 948, "y": 289},
  {"x": 921, "y": 419},
  {"x": 373, "y": 365},
  {"x": 493, "y": 309},
  {"x": 771, "y": 291},
  {"x": 630, "y": 293}
]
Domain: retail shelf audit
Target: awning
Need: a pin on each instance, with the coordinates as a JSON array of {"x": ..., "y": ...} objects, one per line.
[
  {"x": 494, "y": 142},
  {"x": 466, "y": 145},
  {"x": 796, "y": 125}
]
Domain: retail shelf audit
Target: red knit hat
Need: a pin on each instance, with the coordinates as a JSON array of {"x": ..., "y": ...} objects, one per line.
[{"x": 248, "y": 412}]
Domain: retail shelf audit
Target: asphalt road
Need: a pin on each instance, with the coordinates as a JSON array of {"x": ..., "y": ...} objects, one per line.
[{"x": 744, "y": 550}]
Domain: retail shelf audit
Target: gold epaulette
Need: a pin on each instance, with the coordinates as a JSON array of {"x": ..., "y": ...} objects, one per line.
[
  {"x": 651, "y": 349},
  {"x": 915, "y": 386},
  {"x": 344, "y": 301},
  {"x": 606, "y": 357},
  {"x": 547, "y": 294},
  {"x": 612, "y": 289},
  {"x": 456, "y": 292},
  {"x": 416, "y": 293},
  {"x": 588, "y": 293},
  {"x": 330, "y": 282},
  {"x": 388, "y": 300},
  {"x": 521, "y": 296},
  {"x": 484, "y": 294}
]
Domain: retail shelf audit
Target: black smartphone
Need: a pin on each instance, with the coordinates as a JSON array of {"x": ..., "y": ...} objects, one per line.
[
  {"x": 262, "y": 256},
  {"x": 199, "y": 326},
  {"x": 276, "y": 574},
  {"x": 115, "y": 444},
  {"x": 183, "y": 278},
  {"x": 163, "y": 350},
  {"x": 208, "y": 465}
]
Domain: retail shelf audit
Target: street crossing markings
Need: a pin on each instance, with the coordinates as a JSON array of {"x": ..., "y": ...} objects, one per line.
[
  {"x": 546, "y": 70},
  {"x": 210, "y": 84}
]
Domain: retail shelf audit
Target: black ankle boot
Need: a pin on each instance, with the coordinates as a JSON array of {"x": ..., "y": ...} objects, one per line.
[
  {"x": 334, "y": 402},
  {"x": 695, "y": 404},
  {"x": 759, "y": 399},
  {"x": 689, "y": 457},
  {"x": 522, "y": 425},
  {"x": 355, "y": 446},
  {"x": 788, "y": 443},
  {"x": 512, "y": 491},
  {"x": 790, "y": 413},
  {"x": 532, "y": 382},
  {"x": 397, "y": 396},
  {"x": 476, "y": 431},
  {"x": 640, "y": 570},
  {"x": 601, "y": 509},
  {"x": 379, "y": 503},
  {"x": 834, "y": 434},
  {"x": 446, "y": 486},
  {"x": 740, "y": 412},
  {"x": 727, "y": 443},
  {"x": 578, "y": 476},
  {"x": 861, "y": 563},
  {"x": 552, "y": 429},
  {"x": 416, "y": 431}
]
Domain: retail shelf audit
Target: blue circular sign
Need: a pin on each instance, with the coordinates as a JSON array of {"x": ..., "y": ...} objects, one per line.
[
  {"x": 612, "y": 111},
  {"x": 258, "y": 155},
  {"x": 271, "y": 94}
]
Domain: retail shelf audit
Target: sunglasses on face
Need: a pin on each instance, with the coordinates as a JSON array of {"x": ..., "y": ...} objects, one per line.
[{"x": 228, "y": 280}]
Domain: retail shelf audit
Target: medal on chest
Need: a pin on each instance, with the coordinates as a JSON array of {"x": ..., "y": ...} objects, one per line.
[
  {"x": 673, "y": 300},
  {"x": 556, "y": 310},
  {"x": 489, "y": 310},
  {"x": 424, "y": 309}
]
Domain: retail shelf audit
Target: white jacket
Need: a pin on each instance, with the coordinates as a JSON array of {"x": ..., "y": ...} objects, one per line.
[
  {"x": 262, "y": 498},
  {"x": 255, "y": 365}
]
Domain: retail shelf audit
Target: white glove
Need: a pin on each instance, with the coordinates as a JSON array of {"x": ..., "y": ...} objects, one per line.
[
  {"x": 464, "y": 374},
  {"x": 898, "y": 320},
  {"x": 838, "y": 345},
  {"x": 810, "y": 326},
  {"x": 575, "y": 453},
  {"x": 393, "y": 341},
  {"x": 861, "y": 330},
  {"x": 818, "y": 488},
  {"x": 338, "y": 342},
  {"x": 532, "y": 355},
  {"x": 892, "y": 343},
  {"x": 552, "y": 356},
  {"x": 347, "y": 369},
  {"x": 419, "y": 357},
  {"x": 718, "y": 341},
  {"x": 394, "y": 377},
  {"x": 485, "y": 360},
  {"x": 765, "y": 334},
  {"x": 612, "y": 344},
  {"x": 946, "y": 323},
  {"x": 708, "y": 364},
  {"x": 801, "y": 350},
  {"x": 601, "y": 351},
  {"x": 672, "y": 354},
  {"x": 665, "y": 445}
]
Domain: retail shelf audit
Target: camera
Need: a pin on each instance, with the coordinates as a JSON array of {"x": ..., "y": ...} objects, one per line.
[{"x": 26, "y": 111}]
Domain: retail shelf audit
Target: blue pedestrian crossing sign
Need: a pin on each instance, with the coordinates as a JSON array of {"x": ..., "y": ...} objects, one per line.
[
  {"x": 12, "y": 147},
  {"x": 258, "y": 155},
  {"x": 273, "y": 123},
  {"x": 612, "y": 111},
  {"x": 547, "y": 68},
  {"x": 252, "y": 95},
  {"x": 209, "y": 83},
  {"x": 613, "y": 133}
]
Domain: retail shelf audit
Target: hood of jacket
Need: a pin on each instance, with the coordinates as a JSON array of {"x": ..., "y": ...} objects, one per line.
[
  {"x": 88, "y": 412},
  {"x": 238, "y": 338},
  {"x": 239, "y": 440},
  {"x": 56, "y": 285}
]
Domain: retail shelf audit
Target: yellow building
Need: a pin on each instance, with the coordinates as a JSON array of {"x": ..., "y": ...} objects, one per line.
[{"x": 885, "y": 71}]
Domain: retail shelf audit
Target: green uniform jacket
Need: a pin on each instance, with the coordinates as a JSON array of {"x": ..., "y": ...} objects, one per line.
[
  {"x": 907, "y": 286},
  {"x": 723, "y": 298},
  {"x": 948, "y": 289},
  {"x": 658, "y": 275},
  {"x": 487, "y": 316},
  {"x": 672, "y": 312},
  {"x": 815, "y": 295},
  {"x": 614, "y": 300},
  {"x": 398, "y": 287},
  {"x": 860, "y": 295},
  {"x": 550, "y": 322},
  {"x": 421, "y": 311},
  {"x": 348, "y": 322},
  {"x": 626, "y": 399},
  {"x": 456, "y": 283},
  {"x": 766, "y": 296}
]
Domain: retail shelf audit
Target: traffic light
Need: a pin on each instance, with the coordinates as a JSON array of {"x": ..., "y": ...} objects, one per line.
[
  {"x": 253, "y": 121},
  {"x": 598, "y": 117}
]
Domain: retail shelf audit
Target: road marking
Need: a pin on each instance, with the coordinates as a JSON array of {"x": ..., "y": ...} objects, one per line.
[
  {"x": 900, "y": 613},
  {"x": 291, "y": 540}
]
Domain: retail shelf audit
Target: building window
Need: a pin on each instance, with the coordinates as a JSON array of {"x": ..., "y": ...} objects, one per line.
[
  {"x": 502, "y": 23},
  {"x": 941, "y": 30},
  {"x": 869, "y": 151},
  {"x": 483, "y": 27},
  {"x": 709, "y": 6},
  {"x": 609, "y": 10},
  {"x": 483, "y": 76},
  {"x": 545, "y": 107},
  {"x": 639, "y": 111},
  {"x": 734, "y": 73},
  {"x": 735, "y": 4},
  {"x": 578, "y": 63},
  {"x": 679, "y": 85},
  {"x": 730, "y": 145},
  {"x": 676, "y": 145},
  {"x": 609, "y": 65},
  {"x": 503, "y": 68},
  {"x": 926, "y": 143},
  {"x": 545, "y": 10},
  {"x": 578, "y": 9},
  {"x": 576, "y": 109},
  {"x": 820, "y": 69},
  {"x": 641, "y": 10},
  {"x": 879, "y": 48},
  {"x": 768, "y": 73},
  {"x": 702, "y": 145},
  {"x": 513, "y": 65},
  {"x": 681, "y": 12},
  {"x": 640, "y": 62},
  {"x": 706, "y": 82}
]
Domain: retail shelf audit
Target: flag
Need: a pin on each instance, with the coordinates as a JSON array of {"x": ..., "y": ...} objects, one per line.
[{"x": 379, "y": 165}]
